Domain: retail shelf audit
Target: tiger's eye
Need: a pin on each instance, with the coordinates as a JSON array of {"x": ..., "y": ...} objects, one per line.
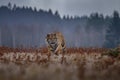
[
  {"x": 48, "y": 40},
  {"x": 54, "y": 34}
]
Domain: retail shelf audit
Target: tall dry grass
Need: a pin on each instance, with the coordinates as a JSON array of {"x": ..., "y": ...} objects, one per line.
[{"x": 78, "y": 64}]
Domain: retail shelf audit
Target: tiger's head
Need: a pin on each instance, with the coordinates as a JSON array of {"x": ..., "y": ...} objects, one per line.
[{"x": 52, "y": 40}]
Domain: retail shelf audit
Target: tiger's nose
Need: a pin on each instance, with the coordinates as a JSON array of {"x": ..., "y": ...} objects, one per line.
[{"x": 52, "y": 42}]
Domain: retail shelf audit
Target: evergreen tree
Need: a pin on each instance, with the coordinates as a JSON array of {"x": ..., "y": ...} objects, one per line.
[
  {"x": 113, "y": 31},
  {"x": 35, "y": 10},
  {"x": 57, "y": 14},
  {"x": 9, "y": 5},
  {"x": 50, "y": 12},
  {"x": 14, "y": 7}
]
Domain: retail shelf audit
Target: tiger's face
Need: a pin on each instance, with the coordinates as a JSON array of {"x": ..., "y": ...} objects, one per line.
[{"x": 52, "y": 40}]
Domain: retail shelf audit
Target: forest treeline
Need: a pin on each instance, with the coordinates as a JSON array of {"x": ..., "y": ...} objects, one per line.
[{"x": 27, "y": 26}]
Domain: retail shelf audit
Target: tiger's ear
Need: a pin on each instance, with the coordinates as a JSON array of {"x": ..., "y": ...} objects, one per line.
[{"x": 48, "y": 35}]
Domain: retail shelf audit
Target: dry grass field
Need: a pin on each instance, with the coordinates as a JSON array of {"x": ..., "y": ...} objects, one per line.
[{"x": 78, "y": 64}]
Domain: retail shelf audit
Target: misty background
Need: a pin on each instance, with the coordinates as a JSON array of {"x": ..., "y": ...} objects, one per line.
[{"x": 27, "y": 26}]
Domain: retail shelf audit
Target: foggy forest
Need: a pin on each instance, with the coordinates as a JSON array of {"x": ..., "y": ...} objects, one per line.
[{"x": 27, "y": 27}]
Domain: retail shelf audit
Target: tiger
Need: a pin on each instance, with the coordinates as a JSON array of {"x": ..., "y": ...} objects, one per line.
[{"x": 55, "y": 43}]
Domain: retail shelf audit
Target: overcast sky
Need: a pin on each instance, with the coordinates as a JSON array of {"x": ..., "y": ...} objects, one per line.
[{"x": 71, "y": 7}]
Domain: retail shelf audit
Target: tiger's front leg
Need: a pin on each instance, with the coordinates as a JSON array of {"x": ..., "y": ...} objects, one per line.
[
  {"x": 63, "y": 56},
  {"x": 62, "y": 53},
  {"x": 58, "y": 50},
  {"x": 49, "y": 52}
]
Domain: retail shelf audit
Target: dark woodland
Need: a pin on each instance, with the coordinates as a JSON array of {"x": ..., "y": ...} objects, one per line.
[{"x": 27, "y": 27}]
